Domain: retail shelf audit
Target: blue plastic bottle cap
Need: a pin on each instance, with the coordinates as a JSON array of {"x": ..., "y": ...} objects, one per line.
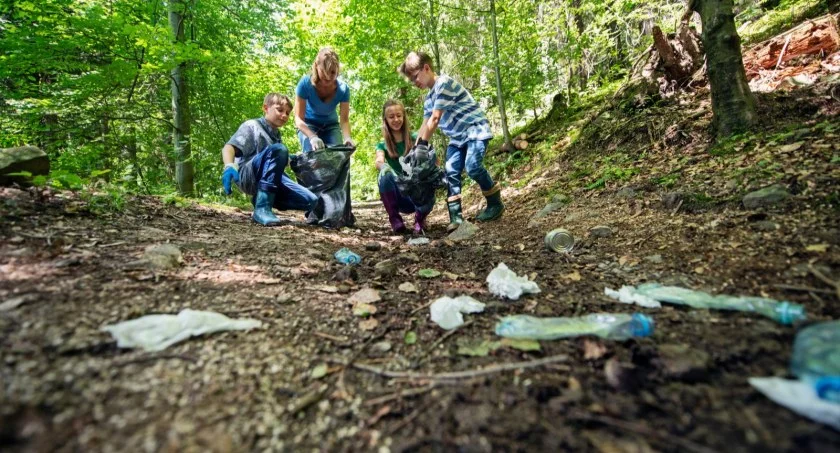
[
  {"x": 642, "y": 325},
  {"x": 790, "y": 313},
  {"x": 828, "y": 388}
]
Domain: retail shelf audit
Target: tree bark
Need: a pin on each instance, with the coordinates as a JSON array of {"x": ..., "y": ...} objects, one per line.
[
  {"x": 501, "y": 98},
  {"x": 181, "y": 105},
  {"x": 733, "y": 104}
]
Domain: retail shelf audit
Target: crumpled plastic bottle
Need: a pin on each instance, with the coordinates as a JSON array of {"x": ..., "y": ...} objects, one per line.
[
  {"x": 816, "y": 359},
  {"x": 347, "y": 256},
  {"x": 782, "y": 312},
  {"x": 605, "y": 325}
]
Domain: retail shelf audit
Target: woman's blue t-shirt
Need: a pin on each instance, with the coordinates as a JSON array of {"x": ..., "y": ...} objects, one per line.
[{"x": 318, "y": 111}]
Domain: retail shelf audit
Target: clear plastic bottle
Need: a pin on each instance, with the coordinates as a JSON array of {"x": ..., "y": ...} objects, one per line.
[
  {"x": 347, "y": 256},
  {"x": 604, "y": 325},
  {"x": 816, "y": 358},
  {"x": 782, "y": 312}
]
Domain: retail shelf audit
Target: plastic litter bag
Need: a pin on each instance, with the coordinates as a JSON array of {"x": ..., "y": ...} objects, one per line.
[
  {"x": 447, "y": 312},
  {"x": 628, "y": 295},
  {"x": 326, "y": 173},
  {"x": 799, "y": 397},
  {"x": 421, "y": 177},
  {"x": 158, "y": 332},
  {"x": 503, "y": 282}
]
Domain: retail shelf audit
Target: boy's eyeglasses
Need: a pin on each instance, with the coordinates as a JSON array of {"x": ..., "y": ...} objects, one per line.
[{"x": 415, "y": 76}]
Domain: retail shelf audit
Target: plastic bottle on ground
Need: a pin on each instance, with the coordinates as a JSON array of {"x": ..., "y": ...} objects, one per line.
[
  {"x": 782, "y": 312},
  {"x": 605, "y": 325},
  {"x": 346, "y": 256},
  {"x": 816, "y": 359}
]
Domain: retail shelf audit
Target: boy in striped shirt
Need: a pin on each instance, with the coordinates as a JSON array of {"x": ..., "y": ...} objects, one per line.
[{"x": 450, "y": 107}]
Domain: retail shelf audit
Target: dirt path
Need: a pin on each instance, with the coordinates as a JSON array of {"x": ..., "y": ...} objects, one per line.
[{"x": 66, "y": 387}]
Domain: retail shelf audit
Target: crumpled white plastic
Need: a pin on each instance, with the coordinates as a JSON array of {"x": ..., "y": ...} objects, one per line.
[
  {"x": 504, "y": 282},
  {"x": 799, "y": 397},
  {"x": 158, "y": 332},
  {"x": 446, "y": 311},
  {"x": 629, "y": 295}
]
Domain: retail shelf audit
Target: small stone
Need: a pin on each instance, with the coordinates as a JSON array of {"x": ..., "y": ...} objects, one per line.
[
  {"x": 365, "y": 296},
  {"x": 626, "y": 192},
  {"x": 346, "y": 273},
  {"x": 385, "y": 268},
  {"x": 601, "y": 231},
  {"x": 465, "y": 231},
  {"x": 373, "y": 246},
  {"x": 671, "y": 200},
  {"x": 768, "y": 196},
  {"x": 382, "y": 346},
  {"x": 408, "y": 287},
  {"x": 655, "y": 259},
  {"x": 765, "y": 225},
  {"x": 163, "y": 256},
  {"x": 548, "y": 209},
  {"x": 680, "y": 361}
]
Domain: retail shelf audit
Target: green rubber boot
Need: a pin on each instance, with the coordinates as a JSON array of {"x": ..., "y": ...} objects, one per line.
[
  {"x": 263, "y": 215},
  {"x": 495, "y": 207},
  {"x": 455, "y": 216}
]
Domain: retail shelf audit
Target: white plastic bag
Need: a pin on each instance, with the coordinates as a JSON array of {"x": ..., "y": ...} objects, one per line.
[
  {"x": 446, "y": 311},
  {"x": 799, "y": 397},
  {"x": 629, "y": 295},
  {"x": 158, "y": 332},
  {"x": 503, "y": 282}
]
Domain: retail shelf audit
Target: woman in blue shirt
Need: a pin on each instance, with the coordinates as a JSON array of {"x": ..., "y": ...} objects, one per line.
[{"x": 317, "y": 96}]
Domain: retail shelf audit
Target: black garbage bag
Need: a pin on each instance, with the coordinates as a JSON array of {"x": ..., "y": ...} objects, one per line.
[
  {"x": 420, "y": 178},
  {"x": 326, "y": 173}
]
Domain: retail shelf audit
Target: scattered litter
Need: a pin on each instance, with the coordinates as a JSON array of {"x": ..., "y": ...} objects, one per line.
[
  {"x": 800, "y": 398},
  {"x": 428, "y": 273},
  {"x": 816, "y": 361},
  {"x": 447, "y": 312},
  {"x": 158, "y": 332},
  {"x": 418, "y": 241},
  {"x": 347, "y": 256},
  {"x": 410, "y": 337},
  {"x": 605, "y": 325},
  {"x": 783, "y": 312},
  {"x": 560, "y": 240},
  {"x": 503, "y": 282},
  {"x": 628, "y": 295}
]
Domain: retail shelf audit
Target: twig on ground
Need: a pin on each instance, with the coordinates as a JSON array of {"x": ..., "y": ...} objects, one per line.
[
  {"x": 806, "y": 289},
  {"x": 414, "y": 312},
  {"x": 460, "y": 374},
  {"x": 398, "y": 395},
  {"x": 150, "y": 358},
  {"x": 679, "y": 205},
  {"x": 309, "y": 399},
  {"x": 818, "y": 273},
  {"x": 684, "y": 444},
  {"x": 331, "y": 337}
]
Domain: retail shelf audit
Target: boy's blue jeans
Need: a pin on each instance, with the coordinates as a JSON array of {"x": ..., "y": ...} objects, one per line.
[
  {"x": 388, "y": 183},
  {"x": 471, "y": 156},
  {"x": 329, "y": 133},
  {"x": 265, "y": 172}
]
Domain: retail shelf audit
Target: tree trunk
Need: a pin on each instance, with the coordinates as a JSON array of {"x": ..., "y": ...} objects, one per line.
[
  {"x": 436, "y": 47},
  {"x": 501, "y": 98},
  {"x": 181, "y": 105},
  {"x": 733, "y": 104}
]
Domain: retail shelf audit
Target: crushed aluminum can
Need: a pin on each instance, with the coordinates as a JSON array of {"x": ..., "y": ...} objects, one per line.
[{"x": 560, "y": 240}]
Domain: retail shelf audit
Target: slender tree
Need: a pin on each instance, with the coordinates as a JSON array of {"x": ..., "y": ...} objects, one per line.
[
  {"x": 499, "y": 95},
  {"x": 733, "y": 104},
  {"x": 181, "y": 104}
]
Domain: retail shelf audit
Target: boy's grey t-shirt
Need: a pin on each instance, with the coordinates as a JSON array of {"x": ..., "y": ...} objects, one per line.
[{"x": 252, "y": 137}]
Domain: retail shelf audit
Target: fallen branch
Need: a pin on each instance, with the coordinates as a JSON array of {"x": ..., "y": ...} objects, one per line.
[
  {"x": 398, "y": 395},
  {"x": 460, "y": 374}
]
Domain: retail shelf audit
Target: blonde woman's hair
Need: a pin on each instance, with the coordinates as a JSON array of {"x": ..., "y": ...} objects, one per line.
[
  {"x": 390, "y": 143},
  {"x": 327, "y": 61}
]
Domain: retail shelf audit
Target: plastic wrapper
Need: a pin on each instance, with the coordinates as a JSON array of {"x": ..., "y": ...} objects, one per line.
[
  {"x": 447, "y": 312},
  {"x": 503, "y": 282}
]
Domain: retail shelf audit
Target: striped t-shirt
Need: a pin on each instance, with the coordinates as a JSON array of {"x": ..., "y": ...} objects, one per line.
[{"x": 463, "y": 119}]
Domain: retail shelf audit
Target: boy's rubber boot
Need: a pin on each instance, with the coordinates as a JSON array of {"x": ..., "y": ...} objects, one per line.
[
  {"x": 263, "y": 215},
  {"x": 419, "y": 222},
  {"x": 456, "y": 218},
  {"x": 389, "y": 199},
  {"x": 495, "y": 207}
]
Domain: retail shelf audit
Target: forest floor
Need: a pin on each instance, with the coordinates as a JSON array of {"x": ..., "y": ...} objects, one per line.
[{"x": 313, "y": 377}]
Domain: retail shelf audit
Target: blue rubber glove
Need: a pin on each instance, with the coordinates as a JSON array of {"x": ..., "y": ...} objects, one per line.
[{"x": 231, "y": 174}]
